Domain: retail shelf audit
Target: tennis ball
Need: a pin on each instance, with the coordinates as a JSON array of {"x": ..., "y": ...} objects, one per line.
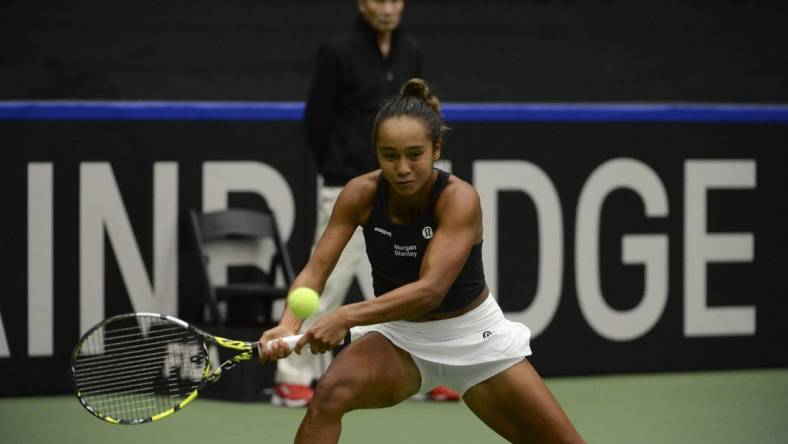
[{"x": 303, "y": 302}]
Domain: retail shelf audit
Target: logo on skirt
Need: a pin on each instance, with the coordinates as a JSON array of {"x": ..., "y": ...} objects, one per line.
[{"x": 486, "y": 334}]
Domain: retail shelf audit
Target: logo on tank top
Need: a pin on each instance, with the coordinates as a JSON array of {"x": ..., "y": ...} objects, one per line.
[
  {"x": 486, "y": 334},
  {"x": 405, "y": 250},
  {"x": 427, "y": 232},
  {"x": 382, "y": 231}
]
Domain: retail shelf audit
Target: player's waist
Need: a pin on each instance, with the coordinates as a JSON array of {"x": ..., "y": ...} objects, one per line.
[
  {"x": 480, "y": 318},
  {"x": 433, "y": 316}
]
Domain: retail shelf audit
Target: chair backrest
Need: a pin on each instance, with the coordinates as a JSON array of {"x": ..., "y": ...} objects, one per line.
[{"x": 236, "y": 224}]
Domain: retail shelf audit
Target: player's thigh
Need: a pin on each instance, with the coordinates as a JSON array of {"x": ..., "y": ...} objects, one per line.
[
  {"x": 371, "y": 372},
  {"x": 518, "y": 405}
]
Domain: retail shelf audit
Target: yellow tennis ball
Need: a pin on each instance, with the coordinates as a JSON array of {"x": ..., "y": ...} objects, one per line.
[{"x": 303, "y": 302}]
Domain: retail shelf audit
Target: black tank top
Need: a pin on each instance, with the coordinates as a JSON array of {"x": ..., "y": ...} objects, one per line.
[{"x": 395, "y": 251}]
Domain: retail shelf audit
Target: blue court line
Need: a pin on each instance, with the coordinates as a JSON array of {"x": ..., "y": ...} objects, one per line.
[{"x": 454, "y": 112}]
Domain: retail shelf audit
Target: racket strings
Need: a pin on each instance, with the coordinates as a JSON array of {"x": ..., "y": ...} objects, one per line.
[
  {"x": 138, "y": 367},
  {"x": 161, "y": 333},
  {"x": 118, "y": 369},
  {"x": 131, "y": 349}
]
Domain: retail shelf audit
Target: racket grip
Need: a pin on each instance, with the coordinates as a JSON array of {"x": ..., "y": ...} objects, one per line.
[{"x": 290, "y": 341}]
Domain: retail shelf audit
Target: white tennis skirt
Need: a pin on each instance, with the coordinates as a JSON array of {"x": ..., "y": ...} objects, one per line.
[{"x": 482, "y": 335}]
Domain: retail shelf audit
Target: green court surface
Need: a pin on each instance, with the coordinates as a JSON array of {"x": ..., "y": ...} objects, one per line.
[{"x": 749, "y": 406}]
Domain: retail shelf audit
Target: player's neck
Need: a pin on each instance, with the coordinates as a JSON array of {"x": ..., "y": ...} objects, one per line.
[{"x": 407, "y": 209}]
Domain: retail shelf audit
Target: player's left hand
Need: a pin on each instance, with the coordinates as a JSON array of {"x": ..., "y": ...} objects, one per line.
[{"x": 328, "y": 332}]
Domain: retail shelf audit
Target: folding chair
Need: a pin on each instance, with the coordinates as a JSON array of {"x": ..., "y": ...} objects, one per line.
[{"x": 241, "y": 228}]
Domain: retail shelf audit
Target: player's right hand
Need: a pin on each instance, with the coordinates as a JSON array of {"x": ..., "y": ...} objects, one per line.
[{"x": 272, "y": 349}]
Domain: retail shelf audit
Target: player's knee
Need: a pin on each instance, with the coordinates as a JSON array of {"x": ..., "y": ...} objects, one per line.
[{"x": 334, "y": 395}]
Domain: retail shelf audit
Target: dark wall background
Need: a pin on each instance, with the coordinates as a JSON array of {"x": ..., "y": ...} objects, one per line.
[{"x": 715, "y": 51}]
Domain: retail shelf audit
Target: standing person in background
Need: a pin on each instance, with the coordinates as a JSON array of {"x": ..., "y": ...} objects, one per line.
[{"x": 354, "y": 73}]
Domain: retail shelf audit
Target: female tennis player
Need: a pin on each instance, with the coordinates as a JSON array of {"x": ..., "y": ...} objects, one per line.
[{"x": 434, "y": 321}]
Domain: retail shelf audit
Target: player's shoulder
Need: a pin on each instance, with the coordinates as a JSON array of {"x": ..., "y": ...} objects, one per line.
[
  {"x": 360, "y": 191},
  {"x": 366, "y": 183},
  {"x": 457, "y": 188},
  {"x": 458, "y": 196}
]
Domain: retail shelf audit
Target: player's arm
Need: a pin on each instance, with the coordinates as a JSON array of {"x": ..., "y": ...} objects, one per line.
[
  {"x": 343, "y": 222},
  {"x": 347, "y": 214},
  {"x": 459, "y": 227}
]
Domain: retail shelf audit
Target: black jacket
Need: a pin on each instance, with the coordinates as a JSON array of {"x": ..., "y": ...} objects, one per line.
[{"x": 350, "y": 82}]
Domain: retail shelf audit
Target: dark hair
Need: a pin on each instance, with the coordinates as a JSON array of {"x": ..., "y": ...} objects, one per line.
[{"x": 416, "y": 100}]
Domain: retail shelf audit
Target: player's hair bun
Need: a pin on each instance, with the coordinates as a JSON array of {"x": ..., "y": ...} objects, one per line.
[
  {"x": 415, "y": 100},
  {"x": 419, "y": 89}
]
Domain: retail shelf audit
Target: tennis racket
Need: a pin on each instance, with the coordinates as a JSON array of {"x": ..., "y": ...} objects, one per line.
[{"x": 141, "y": 367}]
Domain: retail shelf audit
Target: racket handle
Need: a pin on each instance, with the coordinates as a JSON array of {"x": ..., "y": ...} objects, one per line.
[{"x": 289, "y": 340}]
